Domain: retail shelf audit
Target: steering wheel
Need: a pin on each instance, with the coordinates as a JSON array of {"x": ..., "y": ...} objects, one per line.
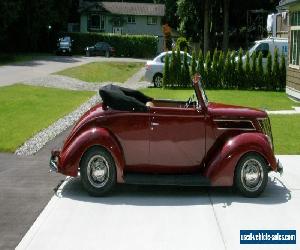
[{"x": 189, "y": 101}]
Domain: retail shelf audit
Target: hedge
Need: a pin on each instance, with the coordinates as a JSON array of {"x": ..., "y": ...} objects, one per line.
[
  {"x": 141, "y": 46},
  {"x": 228, "y": 71}
]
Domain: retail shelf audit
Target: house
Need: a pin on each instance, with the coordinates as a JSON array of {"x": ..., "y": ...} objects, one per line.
[
  {"x": 122, "y": 18},
  {"x": 293, "y": 69}
]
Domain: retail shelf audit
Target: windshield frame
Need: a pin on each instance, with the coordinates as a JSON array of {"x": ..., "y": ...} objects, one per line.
[{"x": 203, "y": 93}]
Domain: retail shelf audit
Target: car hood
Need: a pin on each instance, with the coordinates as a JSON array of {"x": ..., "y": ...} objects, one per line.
[{"x": 231, "y": 111}]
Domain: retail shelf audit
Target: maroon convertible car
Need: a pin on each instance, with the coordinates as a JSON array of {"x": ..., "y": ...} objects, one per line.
[{"x": 132, "y": 138}]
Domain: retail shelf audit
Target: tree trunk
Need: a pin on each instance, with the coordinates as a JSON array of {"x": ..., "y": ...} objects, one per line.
[
  {"x": 206, "y": 26},
  {"x": 226, "y": 25}
]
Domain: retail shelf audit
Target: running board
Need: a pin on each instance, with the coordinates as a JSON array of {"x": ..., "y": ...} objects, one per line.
[{"x": 167, "y": 179}]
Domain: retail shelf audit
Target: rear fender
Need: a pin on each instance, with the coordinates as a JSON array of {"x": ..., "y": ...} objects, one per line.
[
  {"x": 221, "y": 168},
  {"x": 70, "y": 157}
]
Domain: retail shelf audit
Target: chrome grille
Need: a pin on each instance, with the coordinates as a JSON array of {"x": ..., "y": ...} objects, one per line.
[{"x": 266, "y": 128}]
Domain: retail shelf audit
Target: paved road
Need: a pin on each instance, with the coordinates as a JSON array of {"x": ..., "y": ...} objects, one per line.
[
  {"x": 166, "y": 217},
  {"x": 25, "y": 189},
  {"x": 25, "y": 71}
]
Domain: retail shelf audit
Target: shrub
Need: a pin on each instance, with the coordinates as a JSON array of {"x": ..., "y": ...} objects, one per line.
[
  {"x": 166, "y": 74},
  {"x": 178, "y": 68},
  {"x": 193, "y": 64},
  {"x": 254, "y": 70},
  {"x": 268, "y": 75},
  {"x": 282, "y": 72},
  {"x": 142, "y": 46},
  {"x": 260, "y": 80},
  {"x": 221, "y": 69},
  {"x": 240, "y": 70},
  {"x": 182, "y": 44},
  {"x": 200, "y": 66},
  {"x": 186, "y": 78},
  {"x": 276, "y": 71},
  {"x": 233, "y": 76},
  {"x": 227, "y": 68},
  {"x": 247, "y": 71},
  {"x": 214, "y": 70},
  {"x": 173, "y": 65},
  {"x": 207, "y": 70}
]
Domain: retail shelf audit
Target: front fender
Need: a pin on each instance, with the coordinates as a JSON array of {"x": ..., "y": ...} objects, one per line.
[
  {"x": 220, "y": 169},
  {"x": 70, "y": 157}
]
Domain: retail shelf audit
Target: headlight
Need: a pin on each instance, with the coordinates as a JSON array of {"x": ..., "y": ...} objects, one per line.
[{"x": 87, "y": 48}]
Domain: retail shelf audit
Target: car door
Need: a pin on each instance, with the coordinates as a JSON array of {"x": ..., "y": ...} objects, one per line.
[
  {"x": 132, "y": 131},
  {"x": 177, "y": 139},
  {"x": 98, "y": 48}
]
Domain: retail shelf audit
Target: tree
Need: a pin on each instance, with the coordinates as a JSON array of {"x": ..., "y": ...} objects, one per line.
[
  {"x": 240, "y": 70},
  {"x": 166, "y": 74},
  {"x": 282, "y": 72},
  {"x": 226, "y": 25}
]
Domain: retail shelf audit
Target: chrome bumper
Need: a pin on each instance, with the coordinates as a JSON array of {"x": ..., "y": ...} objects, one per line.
[{"x": 279, "y": 167}]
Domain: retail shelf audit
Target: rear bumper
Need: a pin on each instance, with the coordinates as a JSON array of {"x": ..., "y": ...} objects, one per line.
[{"x": 53, "y": 164}]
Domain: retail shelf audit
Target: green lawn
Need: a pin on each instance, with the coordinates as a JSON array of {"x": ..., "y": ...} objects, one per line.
[
  {"x": 25, "y": 110},
  {"x": 103, "y": 71},
  {"x": 257, "y": 99},
  {"x": 22, "y": 57},
  {"x": 286, "y": 133}
]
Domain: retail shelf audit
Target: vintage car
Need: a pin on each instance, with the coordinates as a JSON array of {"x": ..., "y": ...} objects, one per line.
[{"x": 135, "y": 139}]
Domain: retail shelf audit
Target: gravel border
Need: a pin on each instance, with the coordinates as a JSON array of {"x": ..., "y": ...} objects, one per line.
[{"x": 39, "y": 140}]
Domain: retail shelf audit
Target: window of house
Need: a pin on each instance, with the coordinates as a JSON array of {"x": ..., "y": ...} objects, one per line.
[
  {"x": 151, "y": 20},
  {"x": 131, "y": 19},
  {"x": 295, "y": 39},
  {"x": 96, "y": 22}
]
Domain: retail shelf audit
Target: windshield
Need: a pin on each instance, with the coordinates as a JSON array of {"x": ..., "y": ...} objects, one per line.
[
  {"x": 203, "y": 94},
  {"x": 65, "y": 39}
]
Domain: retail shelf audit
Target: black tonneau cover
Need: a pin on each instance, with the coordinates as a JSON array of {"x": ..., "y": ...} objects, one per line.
[{"x": 124, "y": 99}]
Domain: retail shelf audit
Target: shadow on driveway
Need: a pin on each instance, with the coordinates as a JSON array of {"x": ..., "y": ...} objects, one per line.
[
  {"x": 43, "y": 60},
  {"x": 123, "y": 194}
]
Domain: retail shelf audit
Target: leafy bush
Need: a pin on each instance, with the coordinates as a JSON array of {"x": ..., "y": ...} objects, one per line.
[
  {"x": 142, "y": 46},
  {"x": 254, "y": 70},
  {"x": 200, "y": 65},
  {"x": 247, "y": 71},
  {"x": 166, "y": 74},
  {"x": 240, "y": 70},
  {"x": 268, "y": 75},
  {"x": 282, "y": 73},
  {"x": 260, "y": 71},
  {"x": 276, "y": 71},
  {"x": 207, "y": 70},
  {"x": 186, "y": 78},
  {"x": 227, "y": 69},
  {"x": 193, "y": 64},
  {"x": 182, "y": 44},
  {"x": 220, "y": 70}
]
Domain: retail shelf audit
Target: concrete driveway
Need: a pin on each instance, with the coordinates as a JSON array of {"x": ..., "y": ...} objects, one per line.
[
  {"x": 25, "y": 71},
  {"x": 137, "y": 217}
]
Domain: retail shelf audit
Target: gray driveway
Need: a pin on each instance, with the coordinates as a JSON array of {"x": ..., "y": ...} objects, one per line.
[
  {"x": 25, "y": 71},
  {"x": 137, "y": 217}
]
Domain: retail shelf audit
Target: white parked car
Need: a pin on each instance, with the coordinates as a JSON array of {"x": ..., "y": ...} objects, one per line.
[
  {"x": 155, "y": 68},
  {"x": 268, "y": 45}
]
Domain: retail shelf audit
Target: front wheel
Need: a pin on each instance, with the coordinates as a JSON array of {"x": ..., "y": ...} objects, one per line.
[
  {"x": 157, "y": 80},
  {"x": 97, "y": 171},
  {"x": 251, "y": 175}
]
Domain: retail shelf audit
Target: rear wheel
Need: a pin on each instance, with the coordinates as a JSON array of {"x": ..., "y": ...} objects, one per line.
[
  {"x": 157, "y": 80},
  {"x": 251, "y": 175},
  {"x": 98, "y": 171}
]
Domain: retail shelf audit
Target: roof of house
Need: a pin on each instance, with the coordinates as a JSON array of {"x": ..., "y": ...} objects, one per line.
[{"x": 126, "y": 8}]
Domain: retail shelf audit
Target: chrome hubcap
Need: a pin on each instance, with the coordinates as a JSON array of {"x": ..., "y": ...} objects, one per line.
[
  {"x": 98, "y": 171},
  {"x": 252, "y": 175}
]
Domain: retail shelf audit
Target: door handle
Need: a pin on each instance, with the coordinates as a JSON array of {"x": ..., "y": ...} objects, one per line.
[{"x": 154, "y": 123}]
